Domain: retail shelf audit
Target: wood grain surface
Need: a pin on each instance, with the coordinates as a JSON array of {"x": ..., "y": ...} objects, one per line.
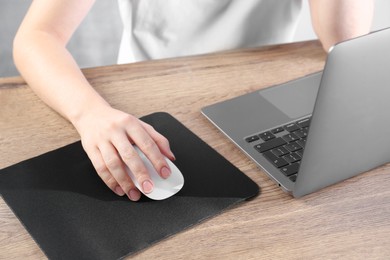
[{"x": 350, "y": 220}]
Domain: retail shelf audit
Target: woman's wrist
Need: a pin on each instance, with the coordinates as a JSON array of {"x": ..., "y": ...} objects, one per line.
[{"x": 78, "y": 115}]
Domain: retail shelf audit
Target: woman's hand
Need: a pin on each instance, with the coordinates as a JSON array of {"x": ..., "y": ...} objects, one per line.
[{"x": 108, "y": 135}]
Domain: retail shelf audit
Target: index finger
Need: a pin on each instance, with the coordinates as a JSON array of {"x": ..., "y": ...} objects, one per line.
[
  {"x": 148, "y": 146},
  {"x": 133, "y": 161}
]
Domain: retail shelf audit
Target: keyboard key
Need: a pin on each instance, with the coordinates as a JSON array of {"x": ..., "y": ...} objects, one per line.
[
  {"x": 300, "y": 153},
  {"x": 273, "y": 143},
  {"x": 280, "y": 151},
  {"x": 252, "y": 138},
  {"x": 266, "y": 136},
  {"x": 292, "y": 157},
  {"x": 293, "y": 178},
  {"x": 291, "y": 127},
  {"x": 301, "y": 133},
  {"x": 302, "y": 142},
  {"x": 292, "y": 147},
  {"x": 278, "y": 162},
  {"x": 304, "y": 122},
  {"x": 290, "y": 137},
  {"x": 277, "y": 130},
  {"x": 290, "y": 169}
]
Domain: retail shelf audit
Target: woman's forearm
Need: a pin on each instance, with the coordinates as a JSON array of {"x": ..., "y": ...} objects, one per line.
[
  {"x": 338, "y": 20},
  {"x": 52, "y": 73}
]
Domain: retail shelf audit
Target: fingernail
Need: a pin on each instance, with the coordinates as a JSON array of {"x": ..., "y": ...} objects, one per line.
[
  {"x": 173, "y": 157},
  {"x": 134, "y": 194},
  {"x": 119, "y": 191},
  {"x": 165, "y": 172},
  {"x": 147, "y": 186}
]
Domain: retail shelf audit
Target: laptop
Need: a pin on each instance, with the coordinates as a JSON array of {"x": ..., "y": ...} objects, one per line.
[{"x": 320, "y": 129}]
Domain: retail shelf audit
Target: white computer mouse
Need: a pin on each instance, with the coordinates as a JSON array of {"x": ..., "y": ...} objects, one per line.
[{"x": 163, "y": 188}]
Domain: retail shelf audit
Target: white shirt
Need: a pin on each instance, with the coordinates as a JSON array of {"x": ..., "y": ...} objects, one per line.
[{"x": 155, "y": 29}]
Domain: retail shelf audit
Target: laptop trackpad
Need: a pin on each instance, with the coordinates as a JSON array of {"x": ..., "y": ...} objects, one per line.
[
  {"x": 261, "y": 110},
  {"x": 297, "y": 99}
]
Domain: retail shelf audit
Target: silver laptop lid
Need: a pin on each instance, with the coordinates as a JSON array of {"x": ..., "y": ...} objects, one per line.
[{"x": 349, "y": 132}]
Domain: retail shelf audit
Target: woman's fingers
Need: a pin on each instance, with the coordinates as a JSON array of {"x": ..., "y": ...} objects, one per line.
[
  {"x": 110, "y": 169},
  {"x": 161, "y": 141},
  {"x": 148, "y": 145},
  {"x": 133, "y": 161}
]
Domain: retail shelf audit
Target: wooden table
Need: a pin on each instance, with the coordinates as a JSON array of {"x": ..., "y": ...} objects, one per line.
[{"x": 347, "y": 220}]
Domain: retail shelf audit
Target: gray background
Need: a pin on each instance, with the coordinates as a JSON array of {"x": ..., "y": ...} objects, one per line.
[{"x": 96, "y": 42}]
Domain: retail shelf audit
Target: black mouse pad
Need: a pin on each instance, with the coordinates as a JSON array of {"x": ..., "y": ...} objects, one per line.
[{"x": 71, "y": 214}]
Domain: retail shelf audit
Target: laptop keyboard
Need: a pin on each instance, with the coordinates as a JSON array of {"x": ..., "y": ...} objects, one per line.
[{"x": 283, "y": 146}]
